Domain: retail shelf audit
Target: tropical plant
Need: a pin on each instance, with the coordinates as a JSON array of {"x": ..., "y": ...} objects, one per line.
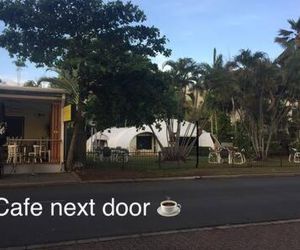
[
  {"x": 216, "y": 82},
  {"x": 263, "y": 94},
  {"x": 184, "y": 75},
  {"x": 289, "y": 39}
]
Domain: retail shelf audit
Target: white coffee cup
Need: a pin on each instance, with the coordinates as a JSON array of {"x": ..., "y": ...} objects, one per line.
[{"x": 169, "y": 206}]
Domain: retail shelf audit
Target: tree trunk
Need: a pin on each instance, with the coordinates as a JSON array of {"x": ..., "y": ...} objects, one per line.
[
  {"x": 74, "y": 145},
  {"x": 71, "y": 151},
  {"x": 80, "y": 149},
  {"x": 268, "y": 144}
]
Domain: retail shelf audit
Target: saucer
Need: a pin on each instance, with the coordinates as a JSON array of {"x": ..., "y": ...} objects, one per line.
[{"x": 176, "y": 212}]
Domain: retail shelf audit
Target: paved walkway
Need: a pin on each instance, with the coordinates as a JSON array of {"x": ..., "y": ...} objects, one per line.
[
  {"x": 16, "y": 180},
  {"x": 265, "y": 237}
]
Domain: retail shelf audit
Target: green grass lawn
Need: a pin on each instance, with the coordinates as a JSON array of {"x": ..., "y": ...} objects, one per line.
[
  {"x": 149, "y": 167},
  {"x": 152, "y": 162}
]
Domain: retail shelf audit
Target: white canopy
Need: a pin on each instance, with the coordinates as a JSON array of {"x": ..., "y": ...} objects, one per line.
[
  {"x": 208, "y": 140},
  {"x": 122, "y": 137}
]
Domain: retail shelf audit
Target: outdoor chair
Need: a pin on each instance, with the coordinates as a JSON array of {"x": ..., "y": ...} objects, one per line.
[
  {"x": 238, "y": 157},
  {"x": 36, "y": 155},
  {"x": 45, "y": 152},
  {"x": 225, "y": 155},
  {"x": 120, "y": 155},
  {"x": 213, "y": 156},
  {"x": 13, "y": 154},
  {"x": 294, "y": 155}
]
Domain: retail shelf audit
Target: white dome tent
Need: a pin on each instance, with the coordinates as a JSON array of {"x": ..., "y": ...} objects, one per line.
[
  {"x": 130, "y": 137},
  {"x": 208, "y": 140}
]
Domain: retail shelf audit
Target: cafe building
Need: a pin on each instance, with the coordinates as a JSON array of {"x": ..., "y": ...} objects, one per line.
[{"x": 34, "y": 129}]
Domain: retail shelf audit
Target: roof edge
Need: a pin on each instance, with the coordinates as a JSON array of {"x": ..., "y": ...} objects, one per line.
[{"x": 33, "y": 89}]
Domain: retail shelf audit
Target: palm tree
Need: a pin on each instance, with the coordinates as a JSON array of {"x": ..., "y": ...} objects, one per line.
[
  {"x": 218, "y": 85},
  {"x": 262, "y": 96},
  {"x": 289, "y": 39},
  {"x": 184, "y": 74},
  {"x": 68, "y": 80}
]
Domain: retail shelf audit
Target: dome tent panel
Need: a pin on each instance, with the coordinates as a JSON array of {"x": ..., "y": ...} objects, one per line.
[{"x": 125, "y": 137}]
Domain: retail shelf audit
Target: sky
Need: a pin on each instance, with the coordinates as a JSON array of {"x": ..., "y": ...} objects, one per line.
[{"x": 195, "y": 27}]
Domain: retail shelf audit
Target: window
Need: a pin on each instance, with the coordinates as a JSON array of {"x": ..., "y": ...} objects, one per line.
[
  {"x": 144, "y": 142},
  {"x": 15, "y": 126}
]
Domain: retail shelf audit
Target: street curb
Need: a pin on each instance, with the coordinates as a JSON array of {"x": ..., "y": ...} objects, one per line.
[
  {"x": 132, "y": 236},
  {"x": 37, "y": 184},
  {"x": 137, "y": 180},
  {"x": 196, "y": 177},
  {"x": 143, "y": 179}
]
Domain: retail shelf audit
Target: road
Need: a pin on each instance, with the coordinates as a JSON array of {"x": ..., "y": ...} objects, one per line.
[{"x": 207, "y": 202}]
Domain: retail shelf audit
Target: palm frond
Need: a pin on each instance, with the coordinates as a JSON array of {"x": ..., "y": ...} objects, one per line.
[
  {"x": 65, "y": 81},
  {"x": 285, "y": 33}
]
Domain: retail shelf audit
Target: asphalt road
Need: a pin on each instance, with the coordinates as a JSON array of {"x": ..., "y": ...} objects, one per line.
[{"x": 204, "y": 203}]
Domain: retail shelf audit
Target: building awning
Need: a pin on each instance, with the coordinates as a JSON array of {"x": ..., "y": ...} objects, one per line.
[{"x": 31, "y": 92}]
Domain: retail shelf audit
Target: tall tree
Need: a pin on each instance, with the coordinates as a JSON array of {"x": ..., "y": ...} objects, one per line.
[
  {"x": 289, "y": 39},
  {"x": 184, "y": 75},
  {"x": 134, "y": 95},
  {"x": 92, "y": 36},
  {"x": 217, "y": 84},
  {"x": 264, "y": 92}
]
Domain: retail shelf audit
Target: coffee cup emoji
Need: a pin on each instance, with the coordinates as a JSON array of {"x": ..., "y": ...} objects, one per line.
[{"x": 169, "y": 208}]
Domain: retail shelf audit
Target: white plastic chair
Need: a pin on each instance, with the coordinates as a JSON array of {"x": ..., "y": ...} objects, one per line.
[
  {"x": 14, "y": 155},
  {"x": 36, "y": 154},
  {"x": 239, "y": 158},
  {"x": 294, "y": 155},
  {"x": 213, "y": 156}
]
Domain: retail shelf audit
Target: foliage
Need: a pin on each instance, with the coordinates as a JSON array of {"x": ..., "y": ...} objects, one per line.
[
  {"x": 263, "y": 96},
  {"x": 225, "y": 129},
  {"x": 67, "y": 80},
  {"x": 46, "y": 32},
  {"x": 93, "y": 38},
  {"x": 138, "y": 94},
  {"x": 32, "y": 83},
  {"x": 289, "y": 40},
  {"x": 242, "y": 140},
  {"x": 184, "y": 75}
]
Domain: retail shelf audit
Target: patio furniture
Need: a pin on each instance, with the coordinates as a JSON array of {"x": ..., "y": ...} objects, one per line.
[
  {"x": 294, "y": 155},
  {"x": 45, "y": 152},
  {"x": 238, "y": 157},
  {"x": 13, "y": 154},
  {"x": 36, "y": 155},
  {"x": 214, "y": 156},
  {"x": 120, "y": 155},
  {"x": 225, "y": 155}
]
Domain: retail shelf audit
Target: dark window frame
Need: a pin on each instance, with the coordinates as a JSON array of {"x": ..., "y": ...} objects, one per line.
[
  {"x": 20, "y": 119},
  {"x": 141, "y": 141}
]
